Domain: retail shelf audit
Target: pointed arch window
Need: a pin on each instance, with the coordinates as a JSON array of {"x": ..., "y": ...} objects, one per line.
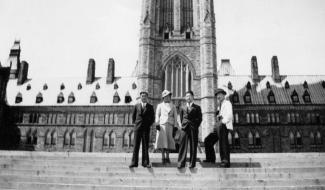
[
  {"x": 248, "y": 86},
  {"x": 312, "y": 138},
  {"x": 127, "y": 98},
  {"x": 258, "y": 141},
  {"x": 248, "y": 119},
  {"x": 294, "y": 97},
  {"x": 60, "y": 98},
  {"x": 229, "y": 85},
  {"x": 252, "y": 118},
  {"x": 71, "y": 98},
  {"x": 288, "y": 118},
  {"x": 62, "y": 86},
  {"x": 286, "y": 85},
  {"x": 29, "y": 136},
  {"x": 54, "y": 138},
  {"x": 106, "y": 139},
  {"x": 126, "y": 139},
  {"x": 93, "y": 98},
  {"x": 35, "y": 137},
  {"x": 247, "y": 97},
  {"x": 45, "y": 87},
  {"x": 116, "y": 98},
  {"x": 306, "y": 97},
  {"x": 271, "y": 97},
  {"x": 112, "y": 138},
  {"x": 131, "y": 137},
  {"x": 237, "y": 140},
  {"x": 318, "y": 138},
  {"x": 66, "y": 140},
  {"x": 97, "y": 86},
  {"x": 19, "y": 98},
  {"x": 73, "y": 138},
  {"x": 48, "y": 138},
  {"x": 39, "y": 98},
  {"x": 291, "y": 138},
  {"x": 177, "y": 77},
  {"x": 79, "y": 86},
  {"x": 115, "y": 86},
  {"x": 236, "y": 118},
  {"x": 134, "y": 86},
  {"x": 229, "y": 138},
  {"x": 257, "y": 118},
  {"x": 305, "y": 85},
  {"x": 250, "y": 138},
  {"x": 268, "y": 85},
  {"x": 299, "y": 138},
  {"x": 28, "y": 87},
  {"x": 235, "y": 97}
]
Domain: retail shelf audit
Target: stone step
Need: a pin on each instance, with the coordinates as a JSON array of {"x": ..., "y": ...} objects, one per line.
[
  {"x": 99, "y": 156},
  {"x": 158, "y": 160},
  {"x": 42, "y": 186},
  {"x": 116, "y": 166},
  {"x": 181, "y": 182},
  {"x": 167, "y": 169},
  {"x": 175, "y": 175}
]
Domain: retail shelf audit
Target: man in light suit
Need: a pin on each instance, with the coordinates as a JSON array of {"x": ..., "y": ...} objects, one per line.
[
  {"x": 191, "y": 118},
  {"x": 143, "y": 117},
  {"x": 220, "y": 132}
]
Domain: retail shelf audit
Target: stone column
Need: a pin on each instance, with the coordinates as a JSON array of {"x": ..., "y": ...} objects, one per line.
[
  {"x": 177, "y": 17},
  {"x": 208, "y": 66}
]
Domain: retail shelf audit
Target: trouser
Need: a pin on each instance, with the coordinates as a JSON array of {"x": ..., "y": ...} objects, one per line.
[
  {"x": 224, "y": 147},
  {"x": 141, "y": 135},
  {"x": 189, "y": 135}
]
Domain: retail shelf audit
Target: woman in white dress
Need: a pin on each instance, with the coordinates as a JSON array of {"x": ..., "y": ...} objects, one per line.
[{"x": 166, "y": 120}]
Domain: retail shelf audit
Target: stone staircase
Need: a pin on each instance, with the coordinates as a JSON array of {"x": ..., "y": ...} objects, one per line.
[{"x": 99, "y": 171}]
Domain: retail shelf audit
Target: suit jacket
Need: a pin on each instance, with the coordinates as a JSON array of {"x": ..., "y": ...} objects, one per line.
[
  {"x": 143, "y": 118},
  {"x": 166, "y": 113},
  {"x": 191, "y": 117}
]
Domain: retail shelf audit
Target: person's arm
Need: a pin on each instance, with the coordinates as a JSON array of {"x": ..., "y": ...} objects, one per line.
[
  {"x": 181, "y": 113},
  {"x": 227, "y": 113},
  {"x": 158, "y": 113},
  {"x": 199, "y": 118},
  {"x": 134, "y": 114},
  {"x": 175, "y": 117}
]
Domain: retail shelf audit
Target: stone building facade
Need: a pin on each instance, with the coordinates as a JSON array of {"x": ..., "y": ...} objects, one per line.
[{"x": 177, "y": 51}]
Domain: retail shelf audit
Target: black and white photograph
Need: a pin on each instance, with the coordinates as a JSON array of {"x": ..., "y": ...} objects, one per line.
[{"x": 162, "y": 94}]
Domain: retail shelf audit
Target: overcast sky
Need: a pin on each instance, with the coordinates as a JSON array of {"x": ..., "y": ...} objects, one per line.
[{"x": 59, "y": 36}]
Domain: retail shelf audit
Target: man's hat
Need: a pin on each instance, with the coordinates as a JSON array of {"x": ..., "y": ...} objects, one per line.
[
  {"x": 219, "y": 90},
  {"x": 165, "y": 93},
  {"x": 144, "y": 92}
]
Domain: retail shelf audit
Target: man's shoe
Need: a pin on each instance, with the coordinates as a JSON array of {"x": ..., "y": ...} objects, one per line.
[
  {"x": 180, "y": 166},
  {"x": 191, "y": 166},
  {"x": 147, "y": 165},
  {"x": 133, "y": 165},
  {"x": 167, "y": 160},
  {"x": 225, "y": 165}
]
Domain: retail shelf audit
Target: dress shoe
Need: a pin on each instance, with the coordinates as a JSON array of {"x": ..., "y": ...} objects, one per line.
[
  {"x": 133, "y": 165},
  {"x": 225, "y": 165},
  {"x": 147, "y": 165},
  {"x": 180, "y": 166},
  {"x": 191, "y": 167}
]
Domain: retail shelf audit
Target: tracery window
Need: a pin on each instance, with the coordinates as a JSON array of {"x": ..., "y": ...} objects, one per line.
[{"x": 177, "y": 77}]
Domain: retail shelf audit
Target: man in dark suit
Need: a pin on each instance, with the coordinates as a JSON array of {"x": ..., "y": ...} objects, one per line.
[
  {"x": 191, "y": 118},
  {"x": 143, "y": 117}
]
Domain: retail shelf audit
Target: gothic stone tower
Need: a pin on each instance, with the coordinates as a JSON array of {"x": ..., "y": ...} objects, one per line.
[{"x": 178, "y": 52}]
